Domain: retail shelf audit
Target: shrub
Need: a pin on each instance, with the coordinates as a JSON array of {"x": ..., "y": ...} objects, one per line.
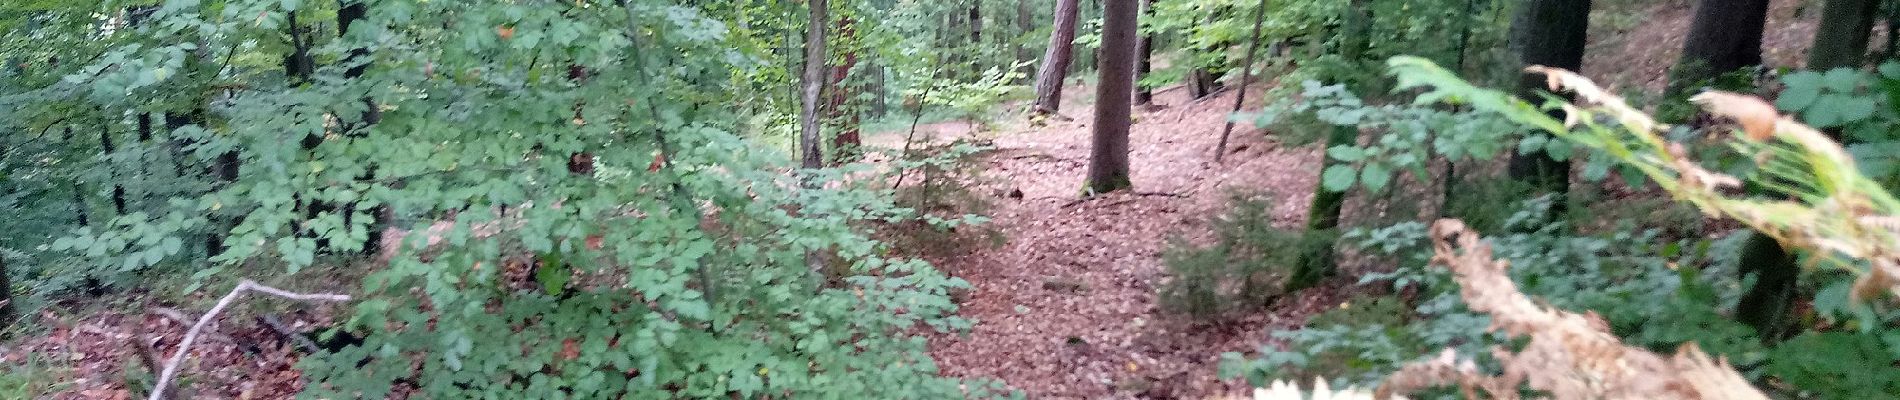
[{"x": 1246, "y": 265}]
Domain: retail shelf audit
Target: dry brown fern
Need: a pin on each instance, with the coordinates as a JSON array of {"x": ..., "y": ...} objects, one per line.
[{"x": 1569, "y": 355}]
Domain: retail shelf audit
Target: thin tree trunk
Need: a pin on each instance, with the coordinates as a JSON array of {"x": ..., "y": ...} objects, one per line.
[
  {"x": 1550, "y": 33},
  {"x": 1144, "y": 94},
  {"x": 1055, "y": 61},
  {"x": 1114, "y": 90},
  {"x": 1841, "y": 40},
  {"x": 1246, "y": 78},
  {"x": 1724, "y": 37},
  {"x": 808, "y": 139}
]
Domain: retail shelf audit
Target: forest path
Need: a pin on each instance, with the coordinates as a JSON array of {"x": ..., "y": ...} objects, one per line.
[{"x": 1066, "y": 307}]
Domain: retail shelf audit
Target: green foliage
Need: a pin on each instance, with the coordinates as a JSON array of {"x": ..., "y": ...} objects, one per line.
[
  {"x": 1407, "y": 139},
  {"x": 1863, "y": 106},
  {"x": 689, "y": 246},
  {"x": 33, "y": 378},
  {"x": 1657, "y": 292},
  {"x": 1245, "y": 267}
]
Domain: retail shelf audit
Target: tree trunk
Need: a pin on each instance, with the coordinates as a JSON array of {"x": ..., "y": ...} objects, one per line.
[
  {"x": 1145, "y": 64},
  {"x": 1055, "y": 61},
  {"x": 1315, "y": 260},
  {"x": 1841, "y": 40},
  {"x": 1246, "y": 78},
  {"x": 348, "y": 13},
  {"x": 7, "y": 311},
  {"x": 1768, "y": 304},
  {"x": 844, "y": 146},
  {"x": 976, "y": 38},
  {"x": 1025, "y": 22},
  {"x": 1114, "y": 90},
  {"x": 107, "y": 148},
  {"x": 808, "y": 138},
  {"x": 1550, "y": 33},
  {"x": 1724, "y": 37}
]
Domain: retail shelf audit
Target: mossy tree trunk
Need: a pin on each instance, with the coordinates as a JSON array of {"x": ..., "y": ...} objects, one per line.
[
  {"x": 1114, "y": 92},
  {"x": 1841, "y": 40},
  {"x": 1550, "y": 33},
  {"x": 1316, "y": 261},
  {"x": 1724, "y": 37}
]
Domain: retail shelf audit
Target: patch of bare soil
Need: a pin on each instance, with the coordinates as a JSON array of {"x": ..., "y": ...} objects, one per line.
[{"x": 1066, "y": 307}]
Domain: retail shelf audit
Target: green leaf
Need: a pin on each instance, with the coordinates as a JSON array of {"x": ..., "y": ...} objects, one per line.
[
  {"x": 1842, "y": 80},
  {"x": 1345, "y": 153},
  {"x": 1376, "y": 176},
  {"x": 1802, "y": 88},
  {"x": 1338, "y": 178}
]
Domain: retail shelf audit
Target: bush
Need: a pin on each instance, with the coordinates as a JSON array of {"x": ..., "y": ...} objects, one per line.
[{"x": 1246, "y": 266}]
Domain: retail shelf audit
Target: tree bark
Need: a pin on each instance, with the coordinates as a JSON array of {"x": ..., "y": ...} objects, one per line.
[
  {"x": 1724, "y": 37},
  {"x": 1315, "y": 260},
  {"x": 1550, "y": 33},
  {"x": 1144, "y": 94},
  {"x": 107, "y": 148},
  {"x": 844, "y": 146},
  {"x": 976, "y": 38},
  {"x": 7, "y": 311},
  {"x": 1114, "y": 90},
  {"x": 349, "y": 12},
  {"x": 808, "y": 138},
  {"x": 1055, "y": 61},
  {"x": 1841, "y": 40},
  {"x": 1025, "y": 22}
]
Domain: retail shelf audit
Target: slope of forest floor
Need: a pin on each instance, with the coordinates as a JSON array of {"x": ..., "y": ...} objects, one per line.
[{"x": 1066, "y": 306}]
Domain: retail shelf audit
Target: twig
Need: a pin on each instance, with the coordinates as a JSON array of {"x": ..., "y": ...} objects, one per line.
[
  {"x": 184, "y": 346},
  {"x": 911, "y": 137}
]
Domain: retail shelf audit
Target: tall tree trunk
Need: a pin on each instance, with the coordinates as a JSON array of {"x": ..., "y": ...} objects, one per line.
[
  {"x": 1724, "y": 37},
  {"x": 844, "y": 146},
  {"x": 350, "y": 12},
  {"x": 814, "y": 79},
  {"x": 1315, "y": 259},
  {"x": 1025, "y": 22},
  {"x": 1055, "y": 61},
  {"x": 1550, "y": 33},
  {"x": 108, "y": 148},
  {"x": 1246, "y": 78},
  {"x": 7, "y": 311},
  {"x": 976, "y": 38},
  {"x": 1146, "y": 52},
  {"x": 1841, "y": 40},
  {"x": 1114, "y": 91},
  {"x": 79, "y": 191}
]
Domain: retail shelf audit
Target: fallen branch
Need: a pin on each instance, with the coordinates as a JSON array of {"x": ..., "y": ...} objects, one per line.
[{"x": 184, "y": 346}]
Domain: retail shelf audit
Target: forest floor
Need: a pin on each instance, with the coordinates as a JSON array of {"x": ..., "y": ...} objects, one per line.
[{"x": 1066, "y": 306}]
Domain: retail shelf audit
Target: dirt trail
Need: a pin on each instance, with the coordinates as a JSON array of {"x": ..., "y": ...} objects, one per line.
[{"x": 1066, "y": 307}]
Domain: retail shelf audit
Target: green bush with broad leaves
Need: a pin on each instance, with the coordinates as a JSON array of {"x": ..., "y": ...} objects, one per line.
[{"x": 600, "y": 141}]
